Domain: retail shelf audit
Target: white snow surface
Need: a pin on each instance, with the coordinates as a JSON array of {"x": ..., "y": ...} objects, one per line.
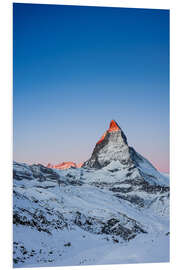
[{"x": 61, "y": 217}]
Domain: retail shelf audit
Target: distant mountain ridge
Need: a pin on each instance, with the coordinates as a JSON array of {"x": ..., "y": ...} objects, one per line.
[{"x": 65, "y": 165}]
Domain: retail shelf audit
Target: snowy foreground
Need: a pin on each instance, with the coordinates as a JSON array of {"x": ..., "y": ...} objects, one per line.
[{"x": 85, "y": 216}]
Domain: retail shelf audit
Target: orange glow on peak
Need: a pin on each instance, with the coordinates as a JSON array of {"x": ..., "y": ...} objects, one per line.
[
  {"x": 102, "y": 138},
  {"x": 65, "y": 165},
  {"x": 79, "y": 165},
  {"x": 113, "y": 126}
]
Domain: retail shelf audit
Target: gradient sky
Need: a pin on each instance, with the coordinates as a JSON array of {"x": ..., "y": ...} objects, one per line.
[{"x": 76, "y": 68}]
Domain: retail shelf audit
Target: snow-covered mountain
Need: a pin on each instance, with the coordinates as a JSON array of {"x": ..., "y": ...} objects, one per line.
[
  {"x": 65, "y": 165},
  {"x": 113, "y": 209},
  {"x": 113, "y": 148}
]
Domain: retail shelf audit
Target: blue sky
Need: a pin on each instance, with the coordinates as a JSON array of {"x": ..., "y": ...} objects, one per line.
[{"x": 76, "y": 68}]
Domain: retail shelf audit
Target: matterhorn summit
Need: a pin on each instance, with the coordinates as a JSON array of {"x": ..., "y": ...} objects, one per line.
[
  {"x": 113, "y": 150},
  {"x": 112, "y": 146}
]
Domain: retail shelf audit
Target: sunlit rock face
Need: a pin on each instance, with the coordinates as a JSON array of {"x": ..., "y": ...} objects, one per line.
[{"x": 113, "y": 126}]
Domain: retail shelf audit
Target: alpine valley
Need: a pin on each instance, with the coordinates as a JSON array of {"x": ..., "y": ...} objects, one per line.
[{"x": 112, "y": 209}]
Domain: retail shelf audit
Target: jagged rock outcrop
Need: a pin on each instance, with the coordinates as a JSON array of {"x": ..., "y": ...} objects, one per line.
[{"x": 112, "y": 146}]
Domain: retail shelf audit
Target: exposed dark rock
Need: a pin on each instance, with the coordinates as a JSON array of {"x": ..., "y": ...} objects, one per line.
[{"x": 132, "y": 199}]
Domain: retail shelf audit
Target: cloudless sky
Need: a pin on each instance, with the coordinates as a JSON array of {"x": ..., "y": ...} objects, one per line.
[{"x": 76, "y": 68}]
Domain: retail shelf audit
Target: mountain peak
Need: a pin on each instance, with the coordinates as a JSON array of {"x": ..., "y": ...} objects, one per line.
[
  {"x": 113, "y": 126},
  {"x": 111, "y": 146}
]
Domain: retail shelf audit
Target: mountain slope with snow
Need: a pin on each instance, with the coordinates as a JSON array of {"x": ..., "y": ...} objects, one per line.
[{"x": 114, "y": 209}]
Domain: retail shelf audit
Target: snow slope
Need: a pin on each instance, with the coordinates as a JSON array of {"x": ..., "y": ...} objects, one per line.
[{"x": 85, "y": 216}]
